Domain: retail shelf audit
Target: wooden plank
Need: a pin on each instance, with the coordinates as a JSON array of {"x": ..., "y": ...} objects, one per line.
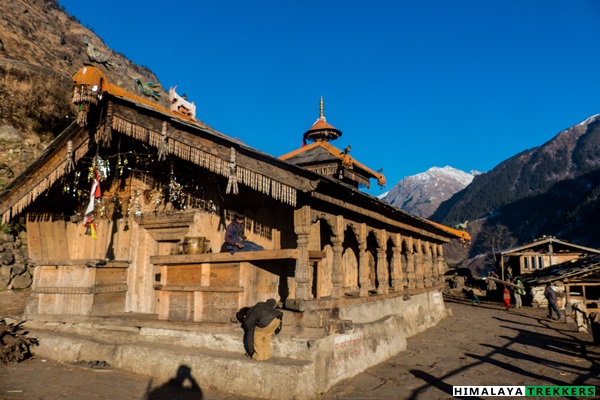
[
  {"x": 59, "y": 239},
  {"x": 505, "y": 283},
  {"x": 200, "y": 288},
  {"x": 46, "y": 235},
  {"x": 236, "y": 257},
  {"x": 225, "y": 257},
  {"x": 184, "y": 274},
  {"x": 81, "y": 262},
  {"x": 34, "y": 244}
]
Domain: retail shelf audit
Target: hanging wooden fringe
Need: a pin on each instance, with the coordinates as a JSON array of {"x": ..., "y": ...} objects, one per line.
[
  {"x": 204, "y": 159},
  {"x": 232, "y": 183},
  {"x": 83, "y": 96},
  {"x": 162, "y": 145}
]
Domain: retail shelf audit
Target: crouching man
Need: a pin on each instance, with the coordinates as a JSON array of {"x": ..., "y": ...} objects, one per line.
[{"x": 261, "y": 322}]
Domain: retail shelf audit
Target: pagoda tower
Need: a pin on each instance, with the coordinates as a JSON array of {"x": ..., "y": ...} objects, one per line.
[{"x": 326, "y": 159}]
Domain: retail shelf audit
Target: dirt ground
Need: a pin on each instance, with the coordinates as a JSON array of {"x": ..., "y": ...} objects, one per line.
[{"x": 478, "y": 345}]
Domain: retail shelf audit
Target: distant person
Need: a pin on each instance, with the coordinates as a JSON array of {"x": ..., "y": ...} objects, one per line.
[
  {"x": 260, "y": 323},
  {"x": 454, "y": 281},
  {"x": 506, "y": 297},
  {"x": 235, "y": 240},
  {"x": 551, "y": 296},
  {"x": 474, "y": 298},
  {"x": 518, "y": 292}
]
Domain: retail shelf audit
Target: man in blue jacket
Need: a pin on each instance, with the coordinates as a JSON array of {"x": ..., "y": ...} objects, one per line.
[{"x": 235, "y": 240}]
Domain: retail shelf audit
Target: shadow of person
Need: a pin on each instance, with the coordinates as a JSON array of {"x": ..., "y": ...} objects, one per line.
[{"x": 182, "y": 387}]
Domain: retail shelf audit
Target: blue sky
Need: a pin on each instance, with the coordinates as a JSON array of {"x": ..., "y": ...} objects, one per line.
[{"x": 411, "y": 84}]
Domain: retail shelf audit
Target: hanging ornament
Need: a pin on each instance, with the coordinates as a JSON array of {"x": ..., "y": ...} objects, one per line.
[{"x": 89, "y": 212}]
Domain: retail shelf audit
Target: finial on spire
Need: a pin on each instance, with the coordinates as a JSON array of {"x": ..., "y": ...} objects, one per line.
[
  {"x": 321, "y": 130},
  {"x": 322, "y": 114}
]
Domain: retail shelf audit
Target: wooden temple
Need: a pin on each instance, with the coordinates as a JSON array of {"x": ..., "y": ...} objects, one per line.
[{"x": 126, "y": 212}]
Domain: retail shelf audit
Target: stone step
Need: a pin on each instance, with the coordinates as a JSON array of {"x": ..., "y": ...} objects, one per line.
[{"x": 230, "y": 372}]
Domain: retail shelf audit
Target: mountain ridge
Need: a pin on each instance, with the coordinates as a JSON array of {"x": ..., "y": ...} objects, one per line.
[{"x": 422, "y": 193}]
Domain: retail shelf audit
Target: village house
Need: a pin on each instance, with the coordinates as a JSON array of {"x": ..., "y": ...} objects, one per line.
[
  {"x": 578, "y": 280},
  {"x": 538, "y": 254},
  {"x": 125, "y": 214}
]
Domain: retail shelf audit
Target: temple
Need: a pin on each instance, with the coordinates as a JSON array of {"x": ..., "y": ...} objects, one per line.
[{"x": 125, "y": 215}]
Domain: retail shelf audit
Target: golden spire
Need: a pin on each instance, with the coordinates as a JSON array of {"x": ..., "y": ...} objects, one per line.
[{"x": 322, "y": 114}]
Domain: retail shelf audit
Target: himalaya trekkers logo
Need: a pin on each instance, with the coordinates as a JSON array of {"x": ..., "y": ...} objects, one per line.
[{"x": 523, "y": 391}]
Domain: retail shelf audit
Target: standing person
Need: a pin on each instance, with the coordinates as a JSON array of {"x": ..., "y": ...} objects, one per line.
[
  {"x": 261, "y": 322},
  {"x": 506, "y": 297},
  {"x": 518, "y": 293},
  {"x": 235, "y": 240},
  {"x": 551, "y": 296}
]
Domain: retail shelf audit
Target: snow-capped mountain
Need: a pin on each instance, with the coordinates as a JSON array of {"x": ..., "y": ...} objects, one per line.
[{"x": 421, "y": 194}]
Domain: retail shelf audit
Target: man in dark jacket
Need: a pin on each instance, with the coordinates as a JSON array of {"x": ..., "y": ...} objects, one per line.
[
  {"x": 260, "y": 323},
  {"x": 551, "y": 297}
]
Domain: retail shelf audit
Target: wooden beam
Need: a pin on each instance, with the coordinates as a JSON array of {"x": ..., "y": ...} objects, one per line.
[{"x": 378, "y": 217}]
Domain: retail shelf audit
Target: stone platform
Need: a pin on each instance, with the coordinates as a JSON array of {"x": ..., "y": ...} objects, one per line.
[{"x": 306, "y": 361}]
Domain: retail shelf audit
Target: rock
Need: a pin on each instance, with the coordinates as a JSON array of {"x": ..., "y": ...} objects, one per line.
[
  {"x": 9, "y": 245},
  {"x": 22, "y": 281},
  {"x": 4, "y": 277},
  {"x": 19, "y": 256},
  {"x": 7, "y": 258},
  {"x": 17, "y": 269},
  {"x": 9, "y": 133},
  {"x": 1, "y": 248}
]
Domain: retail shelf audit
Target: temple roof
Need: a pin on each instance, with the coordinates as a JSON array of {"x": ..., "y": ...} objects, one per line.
[{"x": 322, "y": 152}]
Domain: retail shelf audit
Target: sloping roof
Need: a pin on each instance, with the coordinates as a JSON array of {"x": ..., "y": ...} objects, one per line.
[
  {"x": 191, "y": 140},
  {"x": 577, "y": 269},
  {"x": 543, "y": 241},
  {"x": 461, "y": 234},
  {"x": 324, "y": 151}
]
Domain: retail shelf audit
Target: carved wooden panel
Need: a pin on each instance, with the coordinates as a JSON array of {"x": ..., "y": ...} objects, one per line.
[
  {"x": 181, "y": 306},
  {"x": 219, "y": 306}
]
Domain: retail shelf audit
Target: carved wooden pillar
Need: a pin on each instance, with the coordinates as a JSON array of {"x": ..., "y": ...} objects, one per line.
[
  {"x": 396, "y": 264},
  {"x": 410, "y": 265},
  {"x": 397, "y": 281},
  {"x": 441, "y": 263},
  {"x": 434, "y": 265},
  {"x": 418, "y": 258},
  {"x": 302, "y": 224},
  {"x": 427, "y": 266},
  {"x": 382, "y": 265},
  {"x": 363, "y": 262},
  {"x": 337, "y": 269}
]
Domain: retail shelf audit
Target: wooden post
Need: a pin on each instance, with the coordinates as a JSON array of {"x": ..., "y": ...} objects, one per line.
[
  {"x": 441, "y": 262},
  {"x": 382, "y": 265},
  {"x": 410, "y": 264},
  {"x": 302, "y": 274},
  {"x": 363, "y": 268},
  {"x": 396, "y": 266},
  {"x": 337, "y": 271},
  {"x": 418, "y": 261}
]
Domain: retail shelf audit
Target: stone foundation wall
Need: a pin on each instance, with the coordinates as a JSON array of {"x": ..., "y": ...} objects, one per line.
[{"x": 15, "y": 271}]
